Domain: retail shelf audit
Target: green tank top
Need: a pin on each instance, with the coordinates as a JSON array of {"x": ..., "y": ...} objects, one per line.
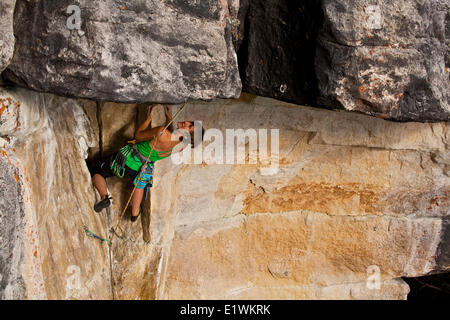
[{"x": 144, "y": 149}]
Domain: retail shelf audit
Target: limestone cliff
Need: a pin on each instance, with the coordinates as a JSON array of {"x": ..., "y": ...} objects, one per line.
[
  {"x": 352, "y": 192},
  {"x": 352, "y": 204},
  {"x": 353, "y": 195},
  {"x": 46, "y": 200}
]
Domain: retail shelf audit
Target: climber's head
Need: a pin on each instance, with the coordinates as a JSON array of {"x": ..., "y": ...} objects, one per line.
[
  {"x": 189, "y": 126},
  {"x": 186, "y": 125}
]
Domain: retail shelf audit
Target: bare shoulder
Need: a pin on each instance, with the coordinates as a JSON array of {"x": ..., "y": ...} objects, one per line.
[{"x": 163, "y": 134}]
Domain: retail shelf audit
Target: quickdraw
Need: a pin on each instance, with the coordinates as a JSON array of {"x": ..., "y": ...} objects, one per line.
[{"x": 93, "y": 235}]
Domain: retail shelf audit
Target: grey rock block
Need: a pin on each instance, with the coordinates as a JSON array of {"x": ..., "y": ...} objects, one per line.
[
  {"x": 12, "y": 225},
  {"x": 388, "y": 59},
  {"x": 6, "y": 33},
  {"x": 141, "y": 51}
]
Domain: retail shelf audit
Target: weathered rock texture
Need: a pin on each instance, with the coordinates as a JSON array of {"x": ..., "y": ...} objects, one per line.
[
  {"x": 46, "y": 199},
  {"x": 389, "y": 59},
  {"x": 6, "y": 34},
  {"x": 166, "y": 51},
  {"x": 353, "y": 195},
  {"x": 11, "y": 228},
  {"x": 386, "y": 58}
]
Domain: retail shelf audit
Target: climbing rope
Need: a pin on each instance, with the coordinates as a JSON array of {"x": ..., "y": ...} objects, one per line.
[{"x": 113, "y": 230}]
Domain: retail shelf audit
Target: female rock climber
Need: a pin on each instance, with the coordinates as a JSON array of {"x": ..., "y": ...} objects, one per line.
[{"x": 129, "y": 160}]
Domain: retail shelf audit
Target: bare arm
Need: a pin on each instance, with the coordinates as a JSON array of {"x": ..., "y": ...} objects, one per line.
[
  {"x": 143, "y": 132},
  {"x": 169, "y": 117},
  {"x": 147, "y": 134}
]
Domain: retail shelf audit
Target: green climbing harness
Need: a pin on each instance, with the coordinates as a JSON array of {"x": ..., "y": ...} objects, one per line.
[
  {"x": 118, "y": 163},
  {"x": 129, "y": 156},
  {"x": 93, "y": 235}
]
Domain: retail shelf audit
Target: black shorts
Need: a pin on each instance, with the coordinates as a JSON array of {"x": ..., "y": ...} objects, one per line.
[{"x": 103, "y": 168}]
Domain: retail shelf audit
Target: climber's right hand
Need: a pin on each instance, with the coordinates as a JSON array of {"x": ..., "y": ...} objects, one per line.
[{"x": 149, "y": 112}]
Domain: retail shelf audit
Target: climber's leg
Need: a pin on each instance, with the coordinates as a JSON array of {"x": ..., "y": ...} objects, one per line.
[
  {"x": 99, "y": 173},
  {"x": 136, "y": 201},
  {"x": 142, "y": 180},
  {"x": 100, "y": 184}
]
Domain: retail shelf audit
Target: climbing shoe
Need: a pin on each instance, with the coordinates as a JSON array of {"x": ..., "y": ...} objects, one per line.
[
  {"x": 105, "y": 203},
  {"x": 134, "y": 218}
]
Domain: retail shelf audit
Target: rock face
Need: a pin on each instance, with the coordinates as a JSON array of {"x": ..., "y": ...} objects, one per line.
[
  {"x": 46, "y": 199},
  {"x": 7, "y": 35},
  {"x": 11, "y": 231},
  {"x": 352, "y": 195},
  {"x": 132, "y": 279},
  {"x": 159, "y": 51},
  {"x": 389, "y": 59},
  {"x": 355, "y": 204}
]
